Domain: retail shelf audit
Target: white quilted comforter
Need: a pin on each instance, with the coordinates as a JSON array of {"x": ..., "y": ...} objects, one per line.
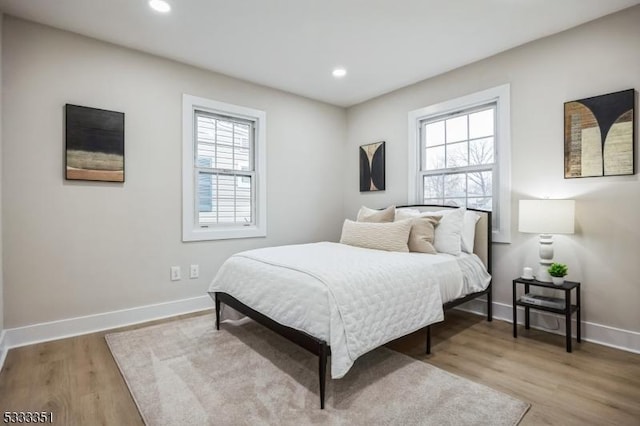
[{"x": 353, "y": 298}]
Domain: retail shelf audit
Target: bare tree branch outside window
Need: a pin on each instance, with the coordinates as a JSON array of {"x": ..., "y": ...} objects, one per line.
[{"x": 459, "y": 158}]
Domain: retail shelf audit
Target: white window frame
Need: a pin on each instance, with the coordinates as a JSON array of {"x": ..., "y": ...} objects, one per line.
[
  {"x": 191, "y": 229},
  {"x": 499, "y": 95}
]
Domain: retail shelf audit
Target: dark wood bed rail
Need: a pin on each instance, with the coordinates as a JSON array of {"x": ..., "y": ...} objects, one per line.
[{"x": 315, "y": 346}]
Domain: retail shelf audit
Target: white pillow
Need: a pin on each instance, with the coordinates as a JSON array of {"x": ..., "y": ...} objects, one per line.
[
  {"x": 405, "y": 212},
  {"x": 389, "y": 236},
  {"x": 365, "y": 214},
  {"x": 448, "y": 236},
  {"x": 469, "y": 230}
]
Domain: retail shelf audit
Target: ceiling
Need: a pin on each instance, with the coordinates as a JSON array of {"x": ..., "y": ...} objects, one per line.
[{"x": 293, "y": 45}]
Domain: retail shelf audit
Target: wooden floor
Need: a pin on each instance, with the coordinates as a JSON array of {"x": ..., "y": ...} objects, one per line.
[{"x": 79, "y": 382}]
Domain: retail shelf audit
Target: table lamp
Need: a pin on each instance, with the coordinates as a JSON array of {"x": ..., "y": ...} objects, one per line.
[{"x": 546, "y": 217}]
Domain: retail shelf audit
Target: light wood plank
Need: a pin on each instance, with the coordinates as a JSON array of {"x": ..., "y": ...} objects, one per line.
[{"x": 593, "y": 385}]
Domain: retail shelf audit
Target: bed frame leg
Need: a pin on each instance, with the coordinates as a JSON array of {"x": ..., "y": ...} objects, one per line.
[
  {"x": 322, "y": 370},
  {"x": 428, "y": 340},
  {"x": 217, "y": 312},
  {"x": 489, "y": 305}
]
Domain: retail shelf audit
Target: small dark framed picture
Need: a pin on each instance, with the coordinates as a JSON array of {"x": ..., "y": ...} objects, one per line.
[
  {"x": 94, "y": 144},
  {"x": 599, "y": 135},
  {"x": 372, "y": 164}
]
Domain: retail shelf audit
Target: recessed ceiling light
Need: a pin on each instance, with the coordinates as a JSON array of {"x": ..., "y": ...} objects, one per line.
[
  {"x": 160, "y": 6},
  {"x": 339, "y": 72}
]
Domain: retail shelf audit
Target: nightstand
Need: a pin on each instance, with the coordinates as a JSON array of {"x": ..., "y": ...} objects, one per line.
[{"x": 567, "y": 311}]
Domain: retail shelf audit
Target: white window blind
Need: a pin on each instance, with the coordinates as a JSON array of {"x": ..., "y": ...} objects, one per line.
[{"x": 224, "y": 170}]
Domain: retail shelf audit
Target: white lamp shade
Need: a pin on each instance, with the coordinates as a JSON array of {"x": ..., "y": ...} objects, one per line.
[{"x": 547, "y": 216}]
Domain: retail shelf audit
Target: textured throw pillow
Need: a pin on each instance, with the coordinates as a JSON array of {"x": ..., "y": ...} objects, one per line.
[
  {"x": 448, "y": 233},
  {"x": 371, "y": 215},
  {"x": 391, "y": 236},
  {"x": 469, "y": 230},
  {"x": 422, "y": 234}
]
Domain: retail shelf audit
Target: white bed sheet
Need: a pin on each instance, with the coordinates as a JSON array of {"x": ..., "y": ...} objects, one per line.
[
  {"x": 475, "y": 277},
  {"x": 289, "y": 285}
]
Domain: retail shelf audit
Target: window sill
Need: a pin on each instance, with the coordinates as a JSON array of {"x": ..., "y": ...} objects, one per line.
[{"x": 212, "y": 234}]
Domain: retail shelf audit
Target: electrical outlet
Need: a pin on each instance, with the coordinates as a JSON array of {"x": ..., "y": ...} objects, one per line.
[
  {"x": 194, "y": 271},
  {"x": 175, "y": 273}
]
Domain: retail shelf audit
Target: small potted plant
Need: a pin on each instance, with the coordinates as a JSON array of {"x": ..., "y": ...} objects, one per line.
[{"x": 557, "y": 272}]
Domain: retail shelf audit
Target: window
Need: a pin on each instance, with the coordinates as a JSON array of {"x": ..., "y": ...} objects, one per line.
[
  {"x": 459, "y": 155},
  {"x": 224, "y": 187},
  {"x": 457, "y": 158}
]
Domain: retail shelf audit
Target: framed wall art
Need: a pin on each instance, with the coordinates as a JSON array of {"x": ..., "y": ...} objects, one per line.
[
  {"x": 599, "y": 135},
  {"x": 372, "y": 167},
  {"x": 94, "y": 144}
]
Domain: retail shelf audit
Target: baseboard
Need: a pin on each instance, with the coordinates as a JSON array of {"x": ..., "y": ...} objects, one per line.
[
  {"x": 625, "y": 340},
  {"x": 3, "y": 348},
  {"x": 54, "y": 330},
  {"x": 21, "y": 336}
]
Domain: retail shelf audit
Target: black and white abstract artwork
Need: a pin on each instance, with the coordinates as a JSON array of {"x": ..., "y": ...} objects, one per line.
[
  {"x": 94, "y": 144},
  {"x": 372, "y": 167},
  {"x": 599, "y": 135}
]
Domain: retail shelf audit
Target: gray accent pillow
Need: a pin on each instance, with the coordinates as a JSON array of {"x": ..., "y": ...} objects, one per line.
[
  {"x": 448, "y": 236},
  {"x": 422, "y": 234}
]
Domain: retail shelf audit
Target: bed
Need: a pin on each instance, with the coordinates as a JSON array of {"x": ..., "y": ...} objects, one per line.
[{"x": 339, "y": 300}]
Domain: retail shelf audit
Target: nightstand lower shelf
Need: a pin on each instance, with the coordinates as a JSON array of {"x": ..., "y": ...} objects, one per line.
[{"x": 573, "y": 309}]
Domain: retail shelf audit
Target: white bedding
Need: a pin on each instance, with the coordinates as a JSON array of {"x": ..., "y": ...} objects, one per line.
[{"x": 353, "y": 298}]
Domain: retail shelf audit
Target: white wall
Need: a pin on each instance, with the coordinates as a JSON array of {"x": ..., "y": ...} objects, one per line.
[
  {"x": 593, "y": 59},
  {"x": 1, "y": 253},
  {"x": 79, "y": 248}
]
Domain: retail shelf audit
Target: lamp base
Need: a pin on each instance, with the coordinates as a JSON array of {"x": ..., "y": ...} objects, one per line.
[
  {"x": 546, "y": 258},
  {"x": 542, "y": 274}
]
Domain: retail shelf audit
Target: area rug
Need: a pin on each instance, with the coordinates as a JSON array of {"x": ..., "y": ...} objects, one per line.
[{"x": 186, "y": 373}]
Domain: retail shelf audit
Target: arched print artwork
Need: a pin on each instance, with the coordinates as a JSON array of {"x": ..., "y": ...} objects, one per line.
[
  {"x": 599, "y": 136},
  {"x": 372, "y": 167}
]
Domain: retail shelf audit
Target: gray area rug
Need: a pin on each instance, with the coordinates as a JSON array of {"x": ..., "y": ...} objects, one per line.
[{"x": 187, "y": 373}]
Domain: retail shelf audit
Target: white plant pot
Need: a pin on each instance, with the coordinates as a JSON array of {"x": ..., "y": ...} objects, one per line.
[{"x": 557, "y": 280}]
